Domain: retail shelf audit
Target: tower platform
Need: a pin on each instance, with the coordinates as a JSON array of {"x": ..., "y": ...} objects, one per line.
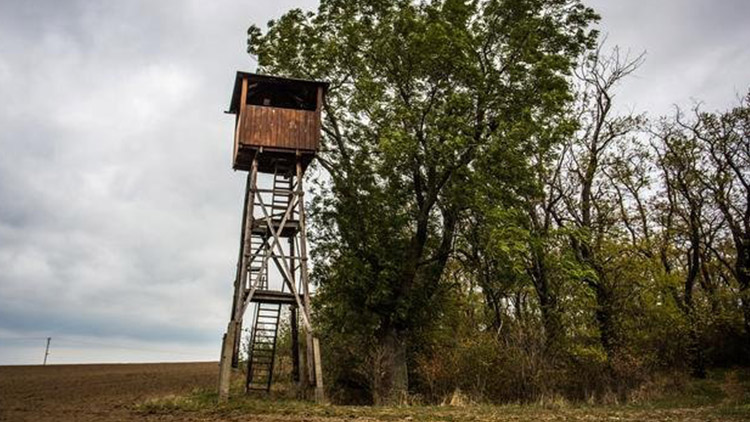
[
  {"x": 275, "y": 296},
  {"x": 290, "y": 229}
]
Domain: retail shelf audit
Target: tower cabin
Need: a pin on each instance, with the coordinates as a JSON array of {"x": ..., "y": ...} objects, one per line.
[{"x": 279, "y": 117}]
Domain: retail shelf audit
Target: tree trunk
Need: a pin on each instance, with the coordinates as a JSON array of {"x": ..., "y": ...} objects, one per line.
[
  {"x": 745, "y": 303},
  {"x": 548, "y": 306},
  {"x": 695, "y": 349},
  {"x": 605, "y": 320},
  {"x": 742, "y": 269},
  {"x": 391, "y": 379},
  {"x": 552, "y": 325}
]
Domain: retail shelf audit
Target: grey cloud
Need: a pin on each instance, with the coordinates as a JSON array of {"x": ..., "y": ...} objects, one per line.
[{"x": 696, "y": 50}]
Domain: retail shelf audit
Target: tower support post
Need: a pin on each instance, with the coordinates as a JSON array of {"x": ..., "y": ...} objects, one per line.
[
  {"x": 231, "y": 341},
  {"x": 315, "y": 368}
]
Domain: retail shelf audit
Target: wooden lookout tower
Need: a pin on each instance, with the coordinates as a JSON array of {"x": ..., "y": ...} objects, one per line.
[{"x": 277, "y": 132}]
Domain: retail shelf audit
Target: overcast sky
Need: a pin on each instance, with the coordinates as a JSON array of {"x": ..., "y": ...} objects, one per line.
[{"x": 119, "y": 211}]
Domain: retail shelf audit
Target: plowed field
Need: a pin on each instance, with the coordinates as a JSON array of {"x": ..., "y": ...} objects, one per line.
[{"x": 94, "y": 392}]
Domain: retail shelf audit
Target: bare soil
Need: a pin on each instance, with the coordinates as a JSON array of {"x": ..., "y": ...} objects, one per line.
[{"x": 94, "y": 392}]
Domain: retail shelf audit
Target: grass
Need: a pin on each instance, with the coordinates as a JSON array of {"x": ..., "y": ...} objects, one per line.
[{"x": 722, "y": 397}]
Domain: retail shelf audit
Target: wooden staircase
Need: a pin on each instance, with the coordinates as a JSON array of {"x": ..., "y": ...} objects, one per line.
[{"x": 262, "y": 348}]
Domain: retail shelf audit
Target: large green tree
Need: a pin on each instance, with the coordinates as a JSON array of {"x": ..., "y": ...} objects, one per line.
[{"x": 421, "y": 92}]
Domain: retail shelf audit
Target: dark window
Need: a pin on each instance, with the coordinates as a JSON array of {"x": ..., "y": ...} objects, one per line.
[{"x": 298, "y": 97}]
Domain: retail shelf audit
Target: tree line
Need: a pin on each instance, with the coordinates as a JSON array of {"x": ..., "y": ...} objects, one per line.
[{"x": 487, "y": 219}]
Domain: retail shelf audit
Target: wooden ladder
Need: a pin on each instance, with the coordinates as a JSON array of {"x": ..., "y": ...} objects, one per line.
[
  {"x": 258, "y": 276},
  {"x": 262, "y": 351},
  {"x": 282, "y": 192}
]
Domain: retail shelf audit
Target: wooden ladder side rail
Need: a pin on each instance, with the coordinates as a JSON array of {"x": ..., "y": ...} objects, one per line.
[
  {"x": 250, "y": 349},
  {"x": 273, "y": 349}
]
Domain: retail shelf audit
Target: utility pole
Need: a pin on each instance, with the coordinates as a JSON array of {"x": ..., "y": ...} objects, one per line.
[{"x": 46, "y": 351}]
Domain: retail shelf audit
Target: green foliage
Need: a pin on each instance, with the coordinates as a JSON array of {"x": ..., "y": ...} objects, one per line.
[
  {"x": 422, "y": 95},
  {"x": 481, "y": 209}
]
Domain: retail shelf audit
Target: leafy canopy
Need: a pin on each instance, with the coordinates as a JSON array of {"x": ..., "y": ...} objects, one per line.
[{"x": 428, "y": 103}]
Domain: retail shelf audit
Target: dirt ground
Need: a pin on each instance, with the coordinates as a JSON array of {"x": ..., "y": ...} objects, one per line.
[{"x": 94, "y": 392}]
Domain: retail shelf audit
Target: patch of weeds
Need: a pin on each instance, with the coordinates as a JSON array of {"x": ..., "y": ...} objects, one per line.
[
  {"x": 688, "y": 403},
  {"x": 196, "y": 401}
]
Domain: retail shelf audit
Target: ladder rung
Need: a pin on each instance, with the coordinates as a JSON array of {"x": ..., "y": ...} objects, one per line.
[
  {"x": 283, "y": 191},
  {"x": 261, "y": 355}
]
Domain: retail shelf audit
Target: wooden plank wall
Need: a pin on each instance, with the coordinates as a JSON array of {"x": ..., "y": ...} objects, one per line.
[{"x": 280, "y": 128}]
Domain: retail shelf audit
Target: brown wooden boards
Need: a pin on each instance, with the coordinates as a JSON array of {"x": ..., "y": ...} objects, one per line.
[{"x": 280, "y": 128}]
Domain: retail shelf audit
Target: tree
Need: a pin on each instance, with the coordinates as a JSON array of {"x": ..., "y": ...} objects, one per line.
[
  {"x": 726, "y": 139},
  {"x": 418, "y": 93},
  {"x": 591, "y": 203},
  {"x": 680, "y": 161}
]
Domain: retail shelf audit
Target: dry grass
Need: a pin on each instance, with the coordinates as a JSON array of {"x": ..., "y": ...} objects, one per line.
[{"x": 722, "y": 398}]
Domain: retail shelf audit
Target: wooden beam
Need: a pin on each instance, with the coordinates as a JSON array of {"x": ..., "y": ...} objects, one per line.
[
  {"x": 228, "y": 343},
  {"x": 275, "y": 235},
  {"x": 283, "y": 269},
  {"x": 239, "y": 122},
  {"x": 313, "y": 345}
]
